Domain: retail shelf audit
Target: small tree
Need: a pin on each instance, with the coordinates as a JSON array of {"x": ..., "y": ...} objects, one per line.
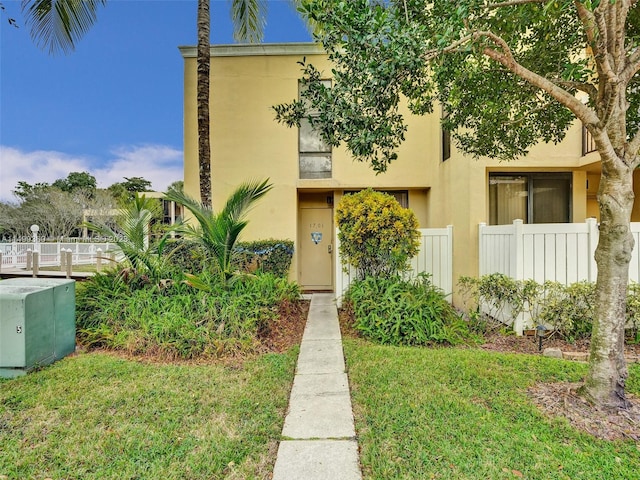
[
  {"x": 132, "y": 235},
  {"x": 377, "y": 236},
  {"x": 219, "y": 232}
]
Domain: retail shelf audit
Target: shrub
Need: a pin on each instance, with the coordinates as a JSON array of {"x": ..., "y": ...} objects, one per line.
[
  {"x": 633, "y": 311},
  {"x": 377, "y": 236},
  {"x": 267, "y": 256},
  {"x": 186, "y": 255},
  {"x": 502, "y": 298},
  {"x": 174, "y": 320},
  {"x": 569, "y": 309},
  {"x": 398, "y": 312}
]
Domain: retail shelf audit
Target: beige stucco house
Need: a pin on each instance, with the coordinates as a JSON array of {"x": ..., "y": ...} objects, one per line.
[{"x": 554, "y": 183}]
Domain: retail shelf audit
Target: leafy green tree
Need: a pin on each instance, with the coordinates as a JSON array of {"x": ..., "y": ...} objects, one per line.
[
  {"x": 377, "y": 236},
  {"x": 76, "y": 181},
  {"x": 510, "y": 73},
  {"x": 219, "y": 232},
  {"x": 125, "y": 192}
]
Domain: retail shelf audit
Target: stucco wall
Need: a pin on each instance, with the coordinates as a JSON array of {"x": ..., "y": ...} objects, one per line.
[{"x": 247, "y": 143}]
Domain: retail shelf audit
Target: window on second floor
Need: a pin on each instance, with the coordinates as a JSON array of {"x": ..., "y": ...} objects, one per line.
[
  {"x": 314, "y": 152},
  {"x": 531, "y": 197}
]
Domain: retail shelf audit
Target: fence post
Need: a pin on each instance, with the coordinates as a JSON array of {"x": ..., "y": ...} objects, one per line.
[
  {"x": 0, "y": 261},
  {"x": 449, "y": 260},
  {"x": 29, "y": 259},
  {"x": 98, "y": 259},
  {"x": 69, "y": 262},
  {"x": 481, "y": 254},
  {"x": 36, "y": 263},
  {"x": 592, "y": 228},
  {"x": 517, "y": 271},
  {"x": 63, "y": 259}
]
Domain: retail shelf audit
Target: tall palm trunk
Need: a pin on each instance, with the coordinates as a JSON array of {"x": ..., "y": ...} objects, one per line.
[{"x": 204, "y": 62}]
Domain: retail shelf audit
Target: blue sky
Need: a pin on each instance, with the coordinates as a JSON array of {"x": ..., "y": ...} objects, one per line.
[{"x": 114, "y": 106}]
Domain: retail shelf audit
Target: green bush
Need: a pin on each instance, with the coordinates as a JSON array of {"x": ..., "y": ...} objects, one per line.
[
  {"x": 267, "y": 256},
  {"x": 398, "y": 312},
  {"x": 569, "y": 309},
  {"x": 186, "y": 255},
  {"x": 377, "y": 236},
  {"x": 633, "y": 311},
  {"x": 174, "y": 320}
]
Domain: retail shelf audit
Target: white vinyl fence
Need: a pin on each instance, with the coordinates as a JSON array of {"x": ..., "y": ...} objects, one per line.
[
  {"x": 435, "y": 257},
  {"x": 14, "y": 254},
  {"x": 561, "y": 252}
]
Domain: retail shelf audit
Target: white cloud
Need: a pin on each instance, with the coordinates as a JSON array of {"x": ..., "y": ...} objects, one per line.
[{"x": 160, "y": 164}]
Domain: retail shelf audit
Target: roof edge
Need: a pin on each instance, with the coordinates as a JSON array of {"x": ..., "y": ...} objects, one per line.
[{"x": 248, "y": 49}]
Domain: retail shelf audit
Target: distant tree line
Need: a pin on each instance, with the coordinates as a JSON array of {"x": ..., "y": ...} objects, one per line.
[{"x": 60, "y": 208}]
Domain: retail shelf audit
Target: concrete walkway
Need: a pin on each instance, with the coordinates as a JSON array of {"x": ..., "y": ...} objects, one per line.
[{"x": 318, "y": 434}]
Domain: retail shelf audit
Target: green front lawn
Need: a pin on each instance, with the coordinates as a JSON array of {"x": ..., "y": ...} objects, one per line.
[
  {"x": 464, "y": 414},
  {"x": 97, "y": 416}
]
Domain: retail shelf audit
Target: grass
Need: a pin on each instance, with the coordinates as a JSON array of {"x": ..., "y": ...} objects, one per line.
[
  {"x": 464, "y": 414},
  {"x": 96, "y": 416},
  {"x": 76, "y": 268}
]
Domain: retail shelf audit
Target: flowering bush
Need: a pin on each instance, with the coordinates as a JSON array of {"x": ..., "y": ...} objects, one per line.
[{"x": 377, "y": 236}]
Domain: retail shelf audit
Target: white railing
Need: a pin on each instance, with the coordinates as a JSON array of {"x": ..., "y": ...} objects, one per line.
[
  {"x": 435, "y": 257},
  {"x": 561, "y": 252},
  {"x": 14, "y": 254}
]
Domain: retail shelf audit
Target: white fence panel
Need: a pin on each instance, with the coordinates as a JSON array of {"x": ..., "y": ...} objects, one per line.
[
  {"x": 435, "y": 257},
  {"x": 14, "y": 254},
  {"x": 562, "y": 252}
]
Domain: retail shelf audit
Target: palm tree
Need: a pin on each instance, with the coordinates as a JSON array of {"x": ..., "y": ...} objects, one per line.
[
  {"x": 132, "y": 235},
  {"x": 57, "y": 25},
  {"x": 219, "y": 232},
  {"x": 248, "y": 19}
]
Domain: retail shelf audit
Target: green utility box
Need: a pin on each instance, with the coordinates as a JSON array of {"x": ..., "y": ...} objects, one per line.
[{"x": 37, "y": 323}]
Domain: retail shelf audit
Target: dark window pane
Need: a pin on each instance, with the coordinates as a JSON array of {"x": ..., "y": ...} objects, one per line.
[{"x": 551, "y": 200}]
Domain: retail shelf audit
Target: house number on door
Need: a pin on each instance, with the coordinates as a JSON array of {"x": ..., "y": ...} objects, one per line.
[
  {"x": 19, "y": 329},
  {"x": 316, "y": 225}
]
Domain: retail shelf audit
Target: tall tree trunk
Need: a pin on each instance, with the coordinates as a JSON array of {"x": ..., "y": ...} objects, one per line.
[
  {"x": 605, "y": 382},
  {"x": 204, "y": 61}
]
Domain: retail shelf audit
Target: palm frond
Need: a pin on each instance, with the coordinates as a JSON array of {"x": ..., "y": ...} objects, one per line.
[
  {"x": 56, "y": 25},
  {"x": 218, "y": 233},
  {"x": 243, "y": 197},
  {"x": 249, "y": 19}
]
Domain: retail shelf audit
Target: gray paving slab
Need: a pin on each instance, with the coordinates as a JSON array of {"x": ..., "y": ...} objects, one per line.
[
  {"x": 320, "y": 407},
  {"x": 324, "y": 299},
  {"x": 320, "y": 356},
  {"x": 317, "y": 460},
  {"x": 321, "y": 325},
  {"x": 319, "y": 430}
]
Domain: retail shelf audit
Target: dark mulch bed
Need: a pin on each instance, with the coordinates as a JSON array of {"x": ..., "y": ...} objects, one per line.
[
  {"x": 286, "y": 331},
  {"x": 500, "y": 342}
]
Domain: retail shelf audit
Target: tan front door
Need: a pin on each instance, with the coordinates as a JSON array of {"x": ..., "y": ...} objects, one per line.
[{"x": 316, "y": 248}]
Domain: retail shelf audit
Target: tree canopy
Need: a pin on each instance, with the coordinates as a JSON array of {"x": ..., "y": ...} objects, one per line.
[{"x": 507, "y": 74}]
